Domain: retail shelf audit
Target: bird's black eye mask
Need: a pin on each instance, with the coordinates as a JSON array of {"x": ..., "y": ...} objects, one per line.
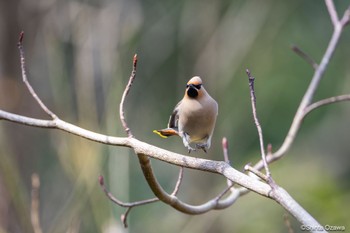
[{"x": 198, "y": 86}]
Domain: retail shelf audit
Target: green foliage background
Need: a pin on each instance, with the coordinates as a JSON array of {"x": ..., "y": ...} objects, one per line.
[{"x": 79, "y": 57}]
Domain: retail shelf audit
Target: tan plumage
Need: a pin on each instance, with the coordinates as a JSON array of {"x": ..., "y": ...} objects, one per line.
[{"x": 194, "y": 117}]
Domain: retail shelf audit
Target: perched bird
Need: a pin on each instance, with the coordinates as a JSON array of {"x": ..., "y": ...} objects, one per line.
[{"x": 193, "y": 118}]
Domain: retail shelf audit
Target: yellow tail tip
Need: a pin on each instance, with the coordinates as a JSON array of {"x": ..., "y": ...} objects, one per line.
[{"x": 159, "y": 133}]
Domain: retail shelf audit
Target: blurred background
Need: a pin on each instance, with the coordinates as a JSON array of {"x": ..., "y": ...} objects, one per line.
[{"x": 79, "y": 58}]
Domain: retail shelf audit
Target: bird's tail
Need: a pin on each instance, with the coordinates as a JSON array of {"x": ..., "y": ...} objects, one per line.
[{"x": 164, "y": 133}]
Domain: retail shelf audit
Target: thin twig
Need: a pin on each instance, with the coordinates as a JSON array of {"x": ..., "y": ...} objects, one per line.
[
  {"x": 120, "y": 203},
  {"x": 178, "y": 182},
  {"x": 332, "y": 12},
  {"x": 256, "y": 172},
  {"x": 220, "y": 195},
  {"x": 125, "y": 93},
  {"x": 34, "y": 213},
  {"x": 256, "y": 121},
  {"x": 124, "y": 217},
  {"x": 226, "y": 158},
  {"x": 305, "y": 56},
  {"x": 320, "y": 103},
  {"x": 128, "y": 205},
  {"x": 25, "y": 80},
  {"x": 346, "y": 17}
]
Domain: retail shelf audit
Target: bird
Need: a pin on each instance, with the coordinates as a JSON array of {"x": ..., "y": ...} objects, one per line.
[{"x": 193, "y": 118}]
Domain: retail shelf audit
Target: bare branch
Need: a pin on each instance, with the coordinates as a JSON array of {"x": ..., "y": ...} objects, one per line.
[
  {"x": 309, "y": 94},
  {"x": 226, "y": 158},
  {"x": 346, "y": 17},
  {"x": 124, "y": 217},
  {"x": 173, "y": 200},
  {"x": 225, "y": 150},
  {"x": 259, "y": 174},
  {"x": 320, "y": 103},
  {"x": 120, "y": 203},
  {"x": 25, "y": 80},
  {"x": 126, "y": 91},
  {"x": 305, "y": 56},
  {"x": 256, "y": 121},
  {"x": 332, "y": 12},
  {"x": 130, "y": 205},
  {"x": 127, "y": 205},
  {"x": 178, "y": 182},
  {"x": 34, "y": 213}
]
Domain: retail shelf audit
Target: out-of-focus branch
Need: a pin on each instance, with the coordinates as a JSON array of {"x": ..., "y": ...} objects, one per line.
[
  {"x": 305, "y": 56},
  {"x": 288, "y": 223},
  {"x": 34, "y": 212}
]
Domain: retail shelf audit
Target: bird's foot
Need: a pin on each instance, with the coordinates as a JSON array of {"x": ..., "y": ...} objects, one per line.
[
  {"x": 190, "y": 149},
  {"x": 202, "y": 146}
]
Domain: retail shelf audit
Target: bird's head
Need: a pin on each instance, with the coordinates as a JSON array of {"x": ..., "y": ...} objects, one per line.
[{"x": 194, "y": 87}]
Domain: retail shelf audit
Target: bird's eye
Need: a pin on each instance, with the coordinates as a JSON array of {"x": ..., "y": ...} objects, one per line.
[{"x": 198, "y": 86}]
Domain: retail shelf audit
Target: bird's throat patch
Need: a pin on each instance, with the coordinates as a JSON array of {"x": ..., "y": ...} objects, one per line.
[{"x": 192, "y": 92}]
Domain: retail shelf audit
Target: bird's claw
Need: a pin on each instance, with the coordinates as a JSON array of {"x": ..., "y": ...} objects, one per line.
[{"x": 202, "y": 146}]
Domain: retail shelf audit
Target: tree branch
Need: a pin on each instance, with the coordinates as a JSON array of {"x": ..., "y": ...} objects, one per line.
[
  {"x": 320, "y": 103},
  {"x": 34, "y": 212},
  {"x": 305, "y": 56},
  {"x": 309, "y": 94},
  {"x": 129, "y": 206},
  {"x": 25, "y": 80},
  {"x": 219, "y": 167},
  {"x": 332, "y": 12},
  {"x": 125, "y": 93},
  {"x": 257, "y": 123}
]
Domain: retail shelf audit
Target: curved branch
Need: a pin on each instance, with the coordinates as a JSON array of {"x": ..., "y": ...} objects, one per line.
[
  {"x": 173, "y": 201},
  {"x": 125, "y": 93},
  {"x": 130, "y": 205},
  {"x": 330, "y": 100}
]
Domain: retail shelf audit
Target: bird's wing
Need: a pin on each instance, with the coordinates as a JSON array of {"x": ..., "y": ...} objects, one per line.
[{"x": 174, "y": 117}]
